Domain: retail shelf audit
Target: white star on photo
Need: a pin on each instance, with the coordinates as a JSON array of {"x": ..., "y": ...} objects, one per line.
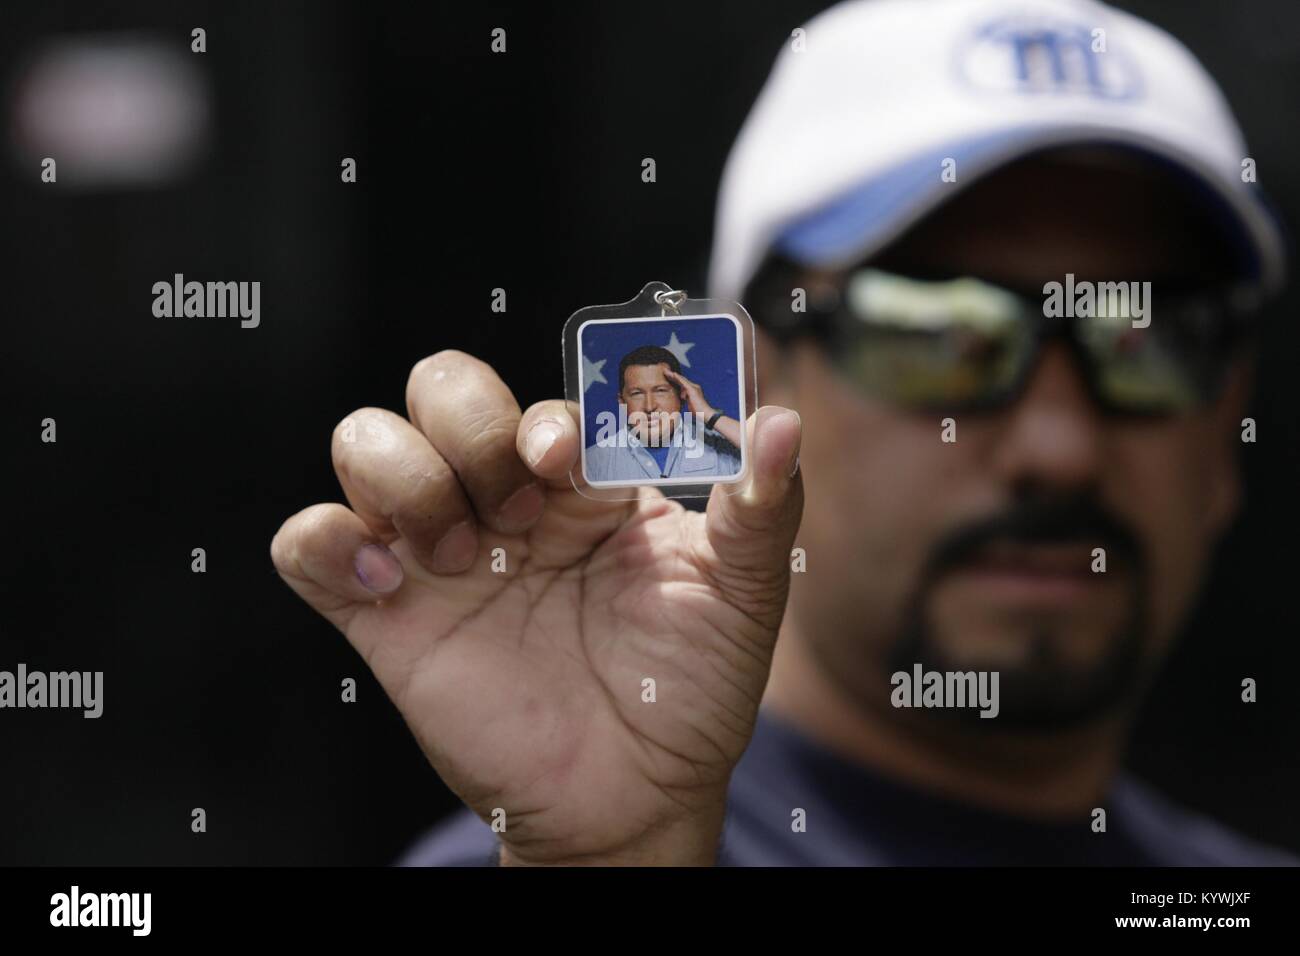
[
  {"x": 680, "y": 349},
  {"x": 591, "y": 373}
]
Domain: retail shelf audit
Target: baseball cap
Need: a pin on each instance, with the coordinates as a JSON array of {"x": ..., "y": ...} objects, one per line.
[{"x": 846, "y": 145}]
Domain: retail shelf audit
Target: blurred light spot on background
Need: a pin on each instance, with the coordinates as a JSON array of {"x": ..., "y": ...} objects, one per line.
[{"x": 111, "y": 111}]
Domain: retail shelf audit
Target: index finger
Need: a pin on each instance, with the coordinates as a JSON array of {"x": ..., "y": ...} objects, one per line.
[{"x": 471, "y": 417}]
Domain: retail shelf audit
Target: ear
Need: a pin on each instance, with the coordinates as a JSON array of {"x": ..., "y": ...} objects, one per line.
[{"x": 1228, "y": 410}]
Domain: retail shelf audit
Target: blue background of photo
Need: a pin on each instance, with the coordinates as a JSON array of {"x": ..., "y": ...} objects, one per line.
[{"x": 712, "y": 358}]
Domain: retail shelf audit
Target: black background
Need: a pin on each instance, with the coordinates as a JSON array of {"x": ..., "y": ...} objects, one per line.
[{"x": 475, "y": 171}]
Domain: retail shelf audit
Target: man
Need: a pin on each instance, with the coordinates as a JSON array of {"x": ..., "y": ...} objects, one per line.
[
  {"x": 661, "y": 442},
  {"x": 994, "y": 490}
]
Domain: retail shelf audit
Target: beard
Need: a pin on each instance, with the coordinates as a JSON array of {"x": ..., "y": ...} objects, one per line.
[{"x": 1045, "y": 690}]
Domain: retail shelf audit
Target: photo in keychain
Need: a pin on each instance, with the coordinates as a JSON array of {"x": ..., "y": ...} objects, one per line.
[{"x": 662, "y": 386}]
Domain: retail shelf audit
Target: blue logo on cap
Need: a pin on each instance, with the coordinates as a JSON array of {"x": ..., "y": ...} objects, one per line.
[{"x": 1041, "y": 56}]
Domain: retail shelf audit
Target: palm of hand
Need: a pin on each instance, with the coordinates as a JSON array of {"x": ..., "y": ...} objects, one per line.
[{"x": 526, "y": 687}]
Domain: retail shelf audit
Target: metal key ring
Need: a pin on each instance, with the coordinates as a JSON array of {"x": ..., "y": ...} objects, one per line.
[{"x": 670, "y": 300}]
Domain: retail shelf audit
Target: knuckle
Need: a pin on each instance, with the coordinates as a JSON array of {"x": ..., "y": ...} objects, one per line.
[
  {"x": 313, "y": 525},
  {"x": 489, "y": 433},
  {"x": 436, "y": 371},
  {"x": 280, "y": 549},
  {"x": 361, "y": 422},
  {"x": 284, "y": 547},
  {"x": 423, "y": 489},
  {"x": 439, "y": 365}
]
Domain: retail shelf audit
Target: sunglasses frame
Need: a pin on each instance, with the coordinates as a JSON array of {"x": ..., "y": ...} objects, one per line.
[{"x": 833, "y": 325}]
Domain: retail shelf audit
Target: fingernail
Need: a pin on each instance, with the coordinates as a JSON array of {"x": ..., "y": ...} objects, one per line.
[
  {"x": 539, "y": 440},
  {"x": 378, "y": 569},
  {"x": 794, "y": 467},
  {"x": 457, "y": 549},
  {"x": 521, "y": 509}
]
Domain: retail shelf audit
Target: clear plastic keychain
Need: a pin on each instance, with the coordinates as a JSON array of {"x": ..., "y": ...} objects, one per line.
[{"x": 662, "y": 385}]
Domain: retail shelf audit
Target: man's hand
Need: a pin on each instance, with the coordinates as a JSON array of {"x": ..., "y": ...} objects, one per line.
[
  {"x": 696, "y": 403},
  {"x": 699, "y": 406},
  {"x": 518, "y": 625}
]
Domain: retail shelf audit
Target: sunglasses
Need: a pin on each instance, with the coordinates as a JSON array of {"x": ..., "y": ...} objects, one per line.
[{"x": 959, "y": 344}]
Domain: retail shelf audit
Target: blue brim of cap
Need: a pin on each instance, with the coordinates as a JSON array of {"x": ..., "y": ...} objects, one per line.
[{"x": 867, "y": 218}]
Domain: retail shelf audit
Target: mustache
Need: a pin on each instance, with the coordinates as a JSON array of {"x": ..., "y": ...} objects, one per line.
[
  {"x": 1040, "y": 520},
  {"x": 640, "y": 419}
]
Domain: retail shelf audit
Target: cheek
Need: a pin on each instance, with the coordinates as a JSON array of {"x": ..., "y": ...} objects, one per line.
[
  {"x": 1161, "y": 482},
  {"x": 880, "y": 487}
]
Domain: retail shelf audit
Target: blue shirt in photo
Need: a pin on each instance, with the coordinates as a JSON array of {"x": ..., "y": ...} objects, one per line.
[{"x": 703, "y": 454}]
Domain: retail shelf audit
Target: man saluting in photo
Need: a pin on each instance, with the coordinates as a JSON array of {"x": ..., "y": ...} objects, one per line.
[{"x": 661, "y": 442}]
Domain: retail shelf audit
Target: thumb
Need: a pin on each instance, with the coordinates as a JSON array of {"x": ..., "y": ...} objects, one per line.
[{"x": 751, "y": 530}]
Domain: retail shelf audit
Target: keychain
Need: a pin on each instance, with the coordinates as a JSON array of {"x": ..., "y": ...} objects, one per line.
[{"x": 663, "y": 384}]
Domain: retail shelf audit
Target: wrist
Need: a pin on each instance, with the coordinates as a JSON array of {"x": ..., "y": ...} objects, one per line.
[{"x": 692, "y": 842}]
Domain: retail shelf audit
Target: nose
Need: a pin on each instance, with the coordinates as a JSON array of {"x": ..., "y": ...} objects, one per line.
[{"x": 1052, "y": 436}]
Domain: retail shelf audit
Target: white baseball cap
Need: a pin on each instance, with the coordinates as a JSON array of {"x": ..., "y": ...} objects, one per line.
[{"x": 845, "y": 147}]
